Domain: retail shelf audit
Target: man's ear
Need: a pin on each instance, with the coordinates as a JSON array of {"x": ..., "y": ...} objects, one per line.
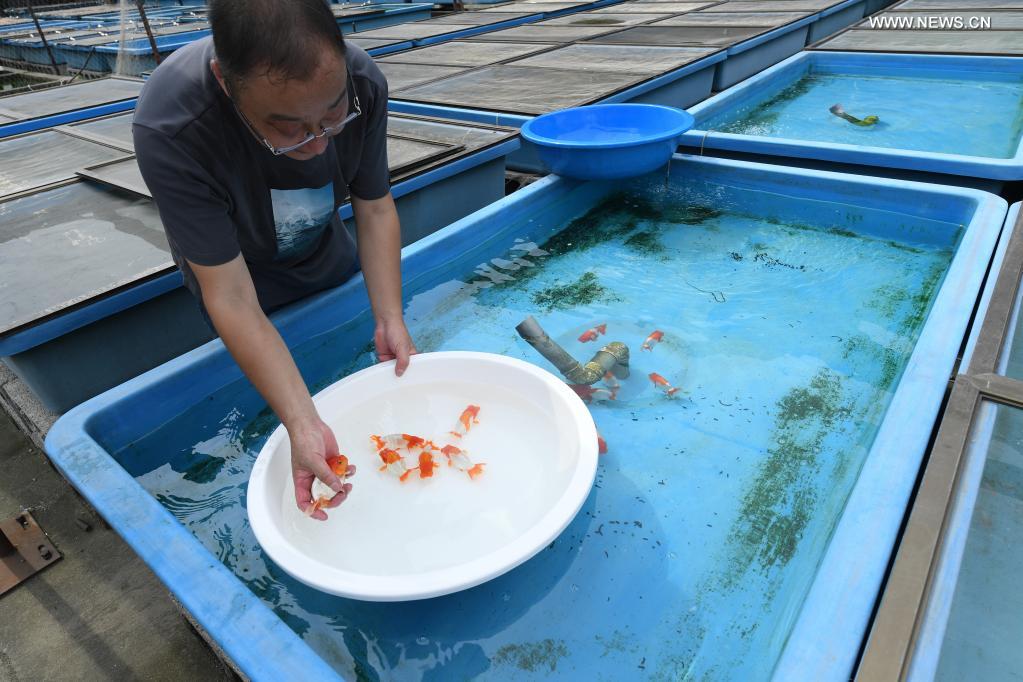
[{"x": 219, "y": 75}]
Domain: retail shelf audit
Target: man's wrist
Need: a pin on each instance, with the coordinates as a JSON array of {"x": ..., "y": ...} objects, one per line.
[
  {"x": 389, "y": 317},
  {"x": 301, "y": 422}
]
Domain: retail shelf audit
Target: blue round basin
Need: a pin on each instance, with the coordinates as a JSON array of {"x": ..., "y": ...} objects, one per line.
[{"x": 607, "y": 141}]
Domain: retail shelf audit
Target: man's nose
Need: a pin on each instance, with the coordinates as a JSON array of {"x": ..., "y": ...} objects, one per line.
[{"x": 319, "y": 145}]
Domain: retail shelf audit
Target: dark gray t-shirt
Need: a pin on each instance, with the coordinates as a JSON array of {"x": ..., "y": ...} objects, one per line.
[{"x": 220, "y": 192}]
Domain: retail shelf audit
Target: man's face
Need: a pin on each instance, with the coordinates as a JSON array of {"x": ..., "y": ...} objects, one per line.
[{"x": 284, "y": 112}]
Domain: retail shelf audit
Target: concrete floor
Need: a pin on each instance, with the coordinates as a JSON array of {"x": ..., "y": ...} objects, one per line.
[{"x": 98, "y": 613}]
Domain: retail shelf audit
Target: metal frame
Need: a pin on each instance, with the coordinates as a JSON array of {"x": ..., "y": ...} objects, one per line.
[{"x": 892, "y": 643}]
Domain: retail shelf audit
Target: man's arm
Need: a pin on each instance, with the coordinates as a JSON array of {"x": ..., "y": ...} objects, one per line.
[
  {"x": 380, "y": 255},
  {"x": 230, "y": 299}
]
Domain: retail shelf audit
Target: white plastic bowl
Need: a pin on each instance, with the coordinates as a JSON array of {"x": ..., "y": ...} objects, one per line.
[{"x": 393, "y": 541}]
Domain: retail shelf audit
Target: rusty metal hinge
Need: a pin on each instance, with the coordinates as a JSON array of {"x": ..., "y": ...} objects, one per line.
[{"x": 24, "y": 550}]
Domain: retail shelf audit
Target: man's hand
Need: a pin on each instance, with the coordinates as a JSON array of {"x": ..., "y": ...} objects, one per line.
[
  {"x": 311, "y": 445},
  {"x": 394, "y": 343}
]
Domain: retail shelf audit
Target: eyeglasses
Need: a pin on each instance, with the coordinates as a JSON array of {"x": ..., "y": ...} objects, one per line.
[{"x": 325, "y": 131}]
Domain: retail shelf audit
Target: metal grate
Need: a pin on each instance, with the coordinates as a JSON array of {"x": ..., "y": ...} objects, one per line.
[
  {"x": 520, "y": 89},
  {"x": 938, "y": 42},
  {"x": 464, "y": 53}
]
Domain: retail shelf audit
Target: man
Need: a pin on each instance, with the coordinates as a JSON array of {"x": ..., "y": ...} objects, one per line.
[{"x": 249, "y": 142}]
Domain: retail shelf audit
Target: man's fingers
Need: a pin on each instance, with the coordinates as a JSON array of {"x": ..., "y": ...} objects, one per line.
[
  {"x": 340, "y": 497},
  {"x": 323, "y": 472},
  {"x": 404, "y": 351},
  {"x": 303, "y": 482}
]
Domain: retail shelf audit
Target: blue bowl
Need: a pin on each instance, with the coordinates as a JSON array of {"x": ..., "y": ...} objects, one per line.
[{"x": 607, "y": 141}]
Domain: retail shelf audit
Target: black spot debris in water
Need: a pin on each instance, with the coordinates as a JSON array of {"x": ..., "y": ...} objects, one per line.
[
  {"x": 771, "y": 261},
  {"x": 735, "y": 255}
]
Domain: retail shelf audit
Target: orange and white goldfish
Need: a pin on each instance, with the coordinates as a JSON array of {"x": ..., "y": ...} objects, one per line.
[
  {"x": 652, "y": 340},
  {"x": 391, "y": 441},
  {"x": 469, "y": 416},
  {"x": 611, "y": 382},
  {"x": 394, "y": 464},
  {"x": 426, "y": 465},
  {"x": 592, "y": 334},
  {"x": 459, "y": 459},
  {"x": 590, "y": 394},
  {"x": 662, "y": 382},
  {"x": 601, "y": 444},
  {"x": 339, "y": 465},
  {"x": 417, "y": 443},
  {"x": 323, "y": 493}
]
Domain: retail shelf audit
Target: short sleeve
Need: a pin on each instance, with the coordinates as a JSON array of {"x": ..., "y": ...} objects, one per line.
[
  {"x": 197, "y": 220},
  {"x": 372, "y": 178}
]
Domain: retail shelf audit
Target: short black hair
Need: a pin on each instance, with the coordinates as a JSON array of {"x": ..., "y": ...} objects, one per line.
[{"x": 285, "y": 37}]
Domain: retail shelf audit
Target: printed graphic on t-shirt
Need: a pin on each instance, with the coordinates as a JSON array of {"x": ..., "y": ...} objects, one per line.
[{"x": 300, "y": 216}]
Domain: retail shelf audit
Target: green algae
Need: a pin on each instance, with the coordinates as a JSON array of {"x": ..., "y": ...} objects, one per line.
[
  {"x": 781, "y": 501},
  {"x": 584, "y": 291},
  {"x": 618, "y": 642},
  {"x": 645, "y": 241},
  {"x": 765, "y": 113},
  {"x": 613, "y": 218},
  {"x": 903, "y": 247},
  {"x": 921, "y": 301},
  {"x": 204, "y": 469},
  {"x": 888, "y": 300},
  {"x": 843, "y": 232},
  {"x": 690, "y": 214},
  {"x": 532, "y": 656}
]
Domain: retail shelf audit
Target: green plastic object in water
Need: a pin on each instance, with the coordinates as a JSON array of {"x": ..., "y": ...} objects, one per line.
[{"x": 837, "y": 110}]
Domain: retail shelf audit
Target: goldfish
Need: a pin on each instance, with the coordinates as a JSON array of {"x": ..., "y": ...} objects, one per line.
[
  {"x": 592, "y": 334},
  {"x": 323, "y": 493},
  {"x": 459, "y": 459},
  {"x": 394, "y": 464},
  {"x": 339, "y": 465},
  {"x": 601, "y": 444},
  {"x": 389, "y": 442},
  {"x": 591, "y": 394},
  {"x": 417, "y": 443},
  {"x": 661, "y": 381},
  {"x": 611, "y": 382},
  {"x": 319, "y": 503},
  {"x": 426, "y": 465},
  {"x": 469, "y": 416},
  {"x": 652, "y": 340}
]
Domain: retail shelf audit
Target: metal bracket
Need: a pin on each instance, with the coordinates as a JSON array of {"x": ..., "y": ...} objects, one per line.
[{"x": 24, "y": 551}]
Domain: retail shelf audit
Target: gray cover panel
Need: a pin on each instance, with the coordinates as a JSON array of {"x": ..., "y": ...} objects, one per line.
[
  {"x": 463, "y": 53},
  {"x": 520, "y": 89},
  {"x": 67, "y": 245},
  {"x": 614, "y": 58}
]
